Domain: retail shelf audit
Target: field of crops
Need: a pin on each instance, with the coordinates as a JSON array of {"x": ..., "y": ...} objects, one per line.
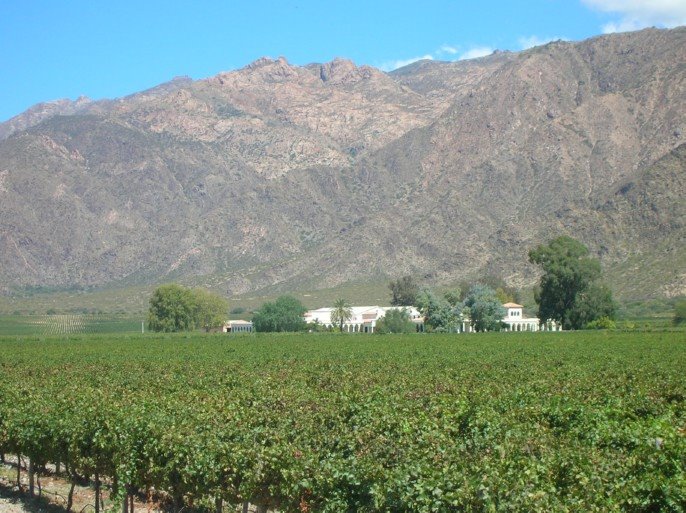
[
  {"x": 68, "y": 324},
  {"x": 343, "y": 423}
]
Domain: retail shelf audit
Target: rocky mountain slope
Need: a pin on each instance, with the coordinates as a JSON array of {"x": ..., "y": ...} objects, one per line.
[{"x": 279, "y": 177}]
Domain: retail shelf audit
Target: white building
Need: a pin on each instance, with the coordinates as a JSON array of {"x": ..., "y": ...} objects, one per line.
[
  {"x": 515, "y": 320},
  {"x": 363, "y": 319},
  {"x": 237, "y": 327}
]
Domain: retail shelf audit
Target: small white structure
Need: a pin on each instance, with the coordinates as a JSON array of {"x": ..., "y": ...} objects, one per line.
[
  {"x": 363, "y": 319},
  {"x": 515, "y": 321},
  {"x": 237, "y": 327}
]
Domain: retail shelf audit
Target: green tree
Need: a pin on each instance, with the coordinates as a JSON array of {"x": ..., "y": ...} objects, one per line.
[
  {"x": 453, "y": 297},
  {"x": 568, "y": 292},
  {"x": 504, "y": 296},
  {"x": 284, "y": 314},
  {"x": 404, "y": 291},
  {"x": 439, "y": 314},
  {"x": 679, "y": 312},
  {"x": 210, "y": 309},
  {"x": 177, "y": 308},
  {"x": 592, "y": 304},
  {"x": 505, "y": 293},
  {"x": 486, "y": 312},
  {"x": 172, "y": 308},
  {"x": 396, "y": 320},
  {"x": 342, "y": 312}
]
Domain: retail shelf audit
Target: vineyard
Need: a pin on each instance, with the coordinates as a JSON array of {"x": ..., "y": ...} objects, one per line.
[
  {"x": 67, "y": 324},
  {"x": 545, "y": 422}
]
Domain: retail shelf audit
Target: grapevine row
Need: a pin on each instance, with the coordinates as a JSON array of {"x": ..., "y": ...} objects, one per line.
[{"x": 329, "y": 423}]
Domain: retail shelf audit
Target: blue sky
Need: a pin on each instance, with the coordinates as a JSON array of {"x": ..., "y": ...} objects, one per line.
[{"x": 51, "y": 49}]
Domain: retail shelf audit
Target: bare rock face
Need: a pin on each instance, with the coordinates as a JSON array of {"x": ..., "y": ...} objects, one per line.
[
  {"x": 339, "y": 71},
  {"x": 343, "y": 71},
  {"x": 279, "y": 177}
]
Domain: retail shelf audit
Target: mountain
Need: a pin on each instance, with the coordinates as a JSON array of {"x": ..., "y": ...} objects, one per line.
[
  {"x": 277, "y": 177},
  {"x": 41, "y": 112}
]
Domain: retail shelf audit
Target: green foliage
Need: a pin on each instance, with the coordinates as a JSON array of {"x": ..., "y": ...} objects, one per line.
[
  {"x": 342, "y": 312},
  {"x": 504, "y": 296},
  {"x": 172, "y": 308},
  {"x": 395, "y": 321},
  {"x": 404, "y": 291},
  {"x": 177, "y": 308},
  {"x": 210, "y": 309},
  {"x": 454, "y": 297},
  {"x": 317, "y": 327},
  {"x": 568, "y": 292},
  {"x": 679, "y": 312},
  {"x": 237, "y": 310},
  {"x": 505, "y": 293},
  {"x": 485, "y": 309},
  {"x": 439, "y": 314},
  {"x": 594, "y": 303},
  {"x": 603, "y": 323},
  {"x": 284, "y": 314},
  {"x": 515, "y": 422}
]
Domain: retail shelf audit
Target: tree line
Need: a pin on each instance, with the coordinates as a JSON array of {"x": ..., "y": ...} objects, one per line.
[{"x": 570, "y": 292}]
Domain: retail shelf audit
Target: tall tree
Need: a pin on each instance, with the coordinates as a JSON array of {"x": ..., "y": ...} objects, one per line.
[
  {"x": 342, "y": 312},
  {"x": 177, "y": 308},
  {"x": 592, "y": 304},
  {"x": 172, "y": 308},
  {"x": 284, "y": 314},
  {"x": 568, "y": 292},
  {"x": 210, "y": 309},
  {"x": 404, "y": 291},
  {"x": 439, "y": 313},
  {"x": 486, "y": 312}
]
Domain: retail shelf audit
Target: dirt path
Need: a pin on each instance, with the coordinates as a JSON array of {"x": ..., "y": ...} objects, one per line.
[{"x": 55, "y": 490}]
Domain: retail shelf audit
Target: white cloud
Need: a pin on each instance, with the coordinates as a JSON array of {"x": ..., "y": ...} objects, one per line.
[
  {"x": 391, "y": 65},
  {"x": 637, "y": 14},
  {"x": 478, "y": 51},
  {"x": 450, "y": 50},
  {"x": 529, "y": 42},
  {"x": 453, "y": 53},
  {"x": 624, "y": 25}
]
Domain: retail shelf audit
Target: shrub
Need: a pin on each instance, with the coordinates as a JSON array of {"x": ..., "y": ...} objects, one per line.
[
  {"x": 395, "y": 321},
  {"x": 603, "y": 323}
]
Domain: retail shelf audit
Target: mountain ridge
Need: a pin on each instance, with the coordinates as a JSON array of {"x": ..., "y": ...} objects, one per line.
[{"x": 275, "y": 176}]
